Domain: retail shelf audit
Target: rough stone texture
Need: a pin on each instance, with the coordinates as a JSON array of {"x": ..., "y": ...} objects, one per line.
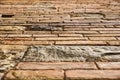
[
  {"x": 56, "y": 65},
  {"x": 109, "y": 65},
  {"x": 44, "y": 28},
  {"x": 93, "y": 75},
  {"x": 72, "y": 53},
  {"x": 35, "y": 75},
  {"x": 10, "y": 55}
]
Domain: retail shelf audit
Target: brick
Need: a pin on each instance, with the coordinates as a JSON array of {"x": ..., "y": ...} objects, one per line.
[
  {"x": 103, "y": 35},
  {"x": 70, "y": 35},
  {"x": 109, "y": 32},
  {"x": 17, "y": 39},
  {"x": 80, "y": 43},
  {"x": 106, "y": 29},
  {"x": 45, "y": 35},
  {"x": 13, "y": 47},
  {"x": 107, "y": 24},
  {"x": 113, "y": 42},
  {"x": 73, "y": 29},
  {"x": 109, "y": 65},
  {"x": 35, "y": 75},
  {"x": 28, "y": 42},
  {"x": 56, "y": 65},
  {"x": 84, "y": 26},
  {"x": 102, "y": 38},
  {"x": 78, "y": 18},
  {"x": 10, "y": 32},
  {"x": 77, "y": 32},
  {"x": 93, "y": 74},
  {"x": 11, "y": 28},
  {"x": 37, "y": 32},
  {"x": 61, "y": 38},
  {"x": 14, "y": 35}
]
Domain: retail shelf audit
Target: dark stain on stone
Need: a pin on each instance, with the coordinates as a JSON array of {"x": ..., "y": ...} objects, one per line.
[
  {"x": 52, "y": 7},
  {"x": 44, "y": 28},
  {"x": 110, "y": 53},
  {"x": 7, "y": 15}
]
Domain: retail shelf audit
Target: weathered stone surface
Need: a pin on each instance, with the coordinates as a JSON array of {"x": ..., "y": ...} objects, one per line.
[
  {"x": 93, "y": 74},
  {"x": 44, "y": 28},
  {"x": 35, "y": 75},
  {"x": 56, "y": 65},
  {"x": 72, "y": 53},
  {"x": 10, "y": 55}
]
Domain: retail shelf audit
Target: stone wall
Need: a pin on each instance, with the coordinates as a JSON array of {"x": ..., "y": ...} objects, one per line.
[
  {"x": 64, "y": 26},
  {"x": 59, "y": 22}
]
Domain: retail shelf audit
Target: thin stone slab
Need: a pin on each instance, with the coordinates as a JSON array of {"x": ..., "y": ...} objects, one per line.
[
  {"x": 35, "y": 75},
  {"x": 72, "y": 53},
  {"x": 109, "y": 65},
  {"x": 56, "y": 65},
  {"x": 93, "y": 75}
]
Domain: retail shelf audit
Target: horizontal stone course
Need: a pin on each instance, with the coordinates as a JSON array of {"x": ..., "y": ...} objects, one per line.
[
  {"x": 93, "y": 74},
  {"x": 61, "y": 22},
  {"x": 65, "y": 70},
  {"x": 35, "y": 75},
  {"x": 109, "y": 65},
  {"x": 102, "y": 38},
  {"x": 74, "y": 22},
  {"x": 56, "y": 65},
  {"x": 80, "y": 43},
  {"x": 62, "y": 38},
  {"x": 27, "y": 42}
]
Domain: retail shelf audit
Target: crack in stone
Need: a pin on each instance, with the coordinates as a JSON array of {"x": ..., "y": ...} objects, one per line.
[
  {"x": 7, "y": 15},
  {"x": 110, "y": 53}
]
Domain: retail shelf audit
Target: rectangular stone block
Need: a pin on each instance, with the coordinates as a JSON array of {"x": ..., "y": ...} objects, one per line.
[
  {"x": 102, "y": 38},
  {"x": 35, "y": 75},
  {"x": 93, "y": 75},
  {"x": 61, "y": 38},
  {"x": 28, "y": 42},
  {"x": 56, "y": 65},
  {"x": 80, "y": 43},
  {"x": 109, "y": 65}
]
